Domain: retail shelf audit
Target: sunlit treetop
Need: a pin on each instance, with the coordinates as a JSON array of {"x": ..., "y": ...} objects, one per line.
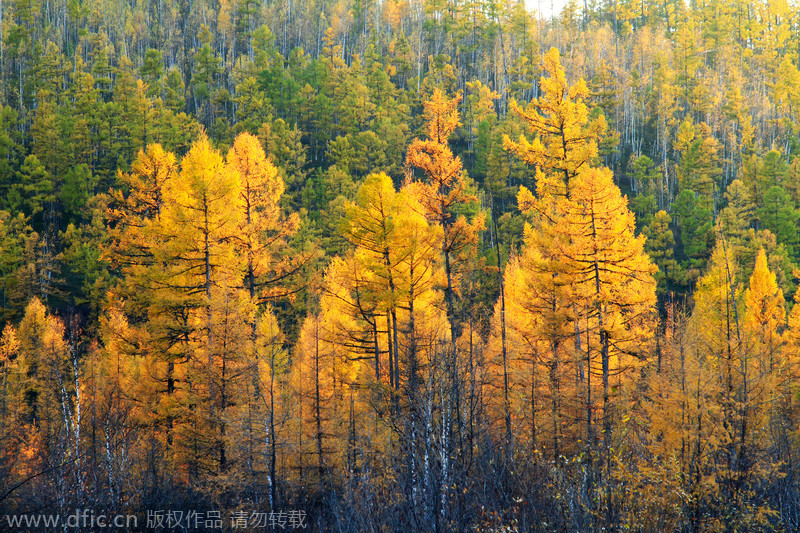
[{"x": 565, "y": 140}]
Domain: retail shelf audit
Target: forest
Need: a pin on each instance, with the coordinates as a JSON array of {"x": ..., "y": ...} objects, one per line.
[{"x": 402, "y": 265}]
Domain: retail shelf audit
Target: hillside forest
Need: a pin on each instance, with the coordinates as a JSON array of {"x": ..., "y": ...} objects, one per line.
[{"x": 404, "y": 265}]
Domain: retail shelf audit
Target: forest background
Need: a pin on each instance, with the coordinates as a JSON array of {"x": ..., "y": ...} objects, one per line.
[{"x": 444, "y": 265}]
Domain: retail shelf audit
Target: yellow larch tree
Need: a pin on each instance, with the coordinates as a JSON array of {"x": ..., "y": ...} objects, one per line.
[
  {"x": 613, "y": 283},
  {"x": 134, "y": 216},
  {"x": 154, "y": 342},
  {"x": 423, "y": 331},
  {"x": 325, "y": 414},
  {"x": 150, "y": 172},
  {"x": 565, "y": 141},
  {"x": 46, "y": 383},
  {"x": 263, "y": 230},
  {"x": 564, "y": 145},
  {"x": 765, "y": 318},
  {"x": 590, "y": 290},
  {"x": 419, "y": 275},
  {"x": 726, "y": 337},
  {"x": 443, "y": 194},
  {"x": 262, "y": 407},
  {"x": 379, "y": 307},
  {"x": 371, "y": 225},
  {"x": 9, "y": 349},
  {"x": 146, "y": 355},
  {"x": 444, "y": 197},
  {"x": 132, "y": 383},
  {"x": 11, "y": 424},
  {"x": 791, "y": 352},
  {"x": 789, "y": 368},
  {"x": 543, "y": 400},
  {"x": 193, "y": 244},
  {"x": 354, "y": 304},
  {"x": 684, "y": 416},
  {"x": 390, "y": 274},
  {"x": 771, "y": 372},
  {"x": 205, "y": 272},
  {"x": 261, "y": 239},
  {"x": 589, "y": 275}
]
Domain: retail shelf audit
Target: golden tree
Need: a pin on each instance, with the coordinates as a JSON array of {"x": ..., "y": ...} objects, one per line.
[
  {"x": 724, "y": 389},
  {"x": 588, "y": 285},
  {"x": 765, "y": 316},
  {"x": 443, "y": 194},
  {"x": 588, "y": 277},
  {"x": 263, "y": 230},
  {"x": 445, "y": 200},
  {"x": 612, "y": 278},
  {"x": 565, "y": 141},
  {"x": 177, "y": 238},
  {"x": 371, "y": 225},
  {"x": 771, "y": 372}
]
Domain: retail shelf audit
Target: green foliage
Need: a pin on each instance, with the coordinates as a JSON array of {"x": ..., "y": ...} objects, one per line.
[
  {"x": 33, "y": 192},
  {"x": 152, "y": 71},
  {"x": 644, "y": 207},
  {"x": 86, "y": 273},
  {"x": 699, "y": 168},
  {"x": 18, "y": 247},
  {"x": 780, "y": 215},
  {"x": 695, "y": 221},
  {"x": 660, "y": 246},
  {"x": 10, "y": 151},
  {"x": 78, "y": 187},
  {"x": 284, "y": 146},
  {"x": 740, "y": 213}
]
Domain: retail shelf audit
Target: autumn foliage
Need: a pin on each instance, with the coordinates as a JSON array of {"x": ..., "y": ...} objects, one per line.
[{"x": 389, "y": 265}]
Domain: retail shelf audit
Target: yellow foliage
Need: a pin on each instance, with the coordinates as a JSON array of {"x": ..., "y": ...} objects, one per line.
[
  {"x": 444, "y": 187},
  {"x": 9, "y": 344},
  {"x": 564, "y": 142},
  {"x": 766, "y": 314}
]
